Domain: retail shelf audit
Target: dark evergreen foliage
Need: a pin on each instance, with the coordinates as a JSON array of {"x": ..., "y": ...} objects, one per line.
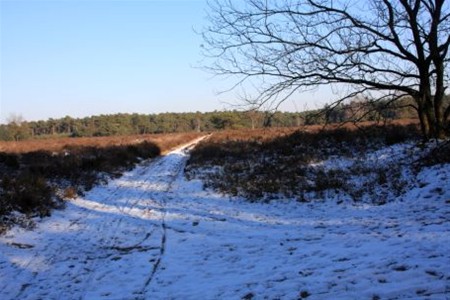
[{"x": 130, "y": 124}]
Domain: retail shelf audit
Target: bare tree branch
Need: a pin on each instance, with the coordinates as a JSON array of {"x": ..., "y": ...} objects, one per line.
[{"x": 394, "y": 47}]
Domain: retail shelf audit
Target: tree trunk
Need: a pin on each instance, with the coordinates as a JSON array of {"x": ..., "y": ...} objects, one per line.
[
  {"x": 424, "y": 124},
  {"x": 440, "y": 121},
  {"x": 431, "y": 115}
]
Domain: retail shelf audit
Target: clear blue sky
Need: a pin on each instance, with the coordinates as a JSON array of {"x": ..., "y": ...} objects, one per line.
[{"x": 83, "y": 57}]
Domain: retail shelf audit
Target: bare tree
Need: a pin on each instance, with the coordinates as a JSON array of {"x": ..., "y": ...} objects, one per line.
[
  {"x": 15, "y": 119},
  {"x": 383, "y": 49},
  {"x": 17, "y": 127}
]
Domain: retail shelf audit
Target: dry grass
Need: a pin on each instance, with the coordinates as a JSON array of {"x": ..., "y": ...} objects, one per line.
[
  {"x": 267, "y": 134},
  {"x": 36, "y": 175},
  {"x": 164, "y": 141},
  {"x": 262, "y": 164}
]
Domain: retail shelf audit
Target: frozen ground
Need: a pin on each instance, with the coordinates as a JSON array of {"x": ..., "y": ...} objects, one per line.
[{"x": 153, "y": 235}]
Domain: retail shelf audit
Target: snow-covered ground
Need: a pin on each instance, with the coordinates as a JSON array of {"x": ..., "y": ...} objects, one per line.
[{"x": 153, "y": 235}]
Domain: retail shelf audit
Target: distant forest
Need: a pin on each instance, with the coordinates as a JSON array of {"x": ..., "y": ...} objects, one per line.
[{"x": 127, "y": 124}]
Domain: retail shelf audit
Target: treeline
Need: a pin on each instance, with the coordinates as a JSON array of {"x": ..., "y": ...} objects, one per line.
[{"x": 126, "y": 124}]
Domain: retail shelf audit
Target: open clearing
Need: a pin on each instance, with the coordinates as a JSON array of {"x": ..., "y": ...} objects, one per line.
[{"x": 153, "y": 235}]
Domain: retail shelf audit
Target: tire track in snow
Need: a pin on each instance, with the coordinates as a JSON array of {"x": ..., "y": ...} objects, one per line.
[
  {"x": 72, "y": 265},
  {"x": 161, "y": 175},
  {"x": 64, "y": 247},
  {"x": 177, "y": 168},
  {"x": 101, "y": 252}
]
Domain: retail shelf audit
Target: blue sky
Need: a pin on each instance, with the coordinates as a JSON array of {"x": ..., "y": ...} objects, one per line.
[{"x": 82, "y": 57}]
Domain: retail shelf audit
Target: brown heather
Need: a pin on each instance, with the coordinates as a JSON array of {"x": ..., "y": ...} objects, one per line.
[
  {"x": 262, "y": 164},
  {"x": 164, "y": 141},
  {"x": 37, "y": 175}
]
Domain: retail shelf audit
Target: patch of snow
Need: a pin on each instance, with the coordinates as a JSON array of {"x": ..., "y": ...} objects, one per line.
[{"x": 151, "y": 234}]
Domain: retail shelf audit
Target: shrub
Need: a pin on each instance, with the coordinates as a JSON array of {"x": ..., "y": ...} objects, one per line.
[
  {"x": 28, "y": 194},
  {"x": 38, "y": 169},
  {"x": 439, "y": 154},
  {"x": 9, "y": 160},
  {"x": 261, "y": 167},
  {"x": 70, "y": 193}
]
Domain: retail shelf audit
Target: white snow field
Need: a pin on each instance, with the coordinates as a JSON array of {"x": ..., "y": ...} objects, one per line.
[{"x": 153, "y": 235}]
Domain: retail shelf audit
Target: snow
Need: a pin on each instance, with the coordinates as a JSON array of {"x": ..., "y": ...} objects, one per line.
[{"x": 151, "y": 234}]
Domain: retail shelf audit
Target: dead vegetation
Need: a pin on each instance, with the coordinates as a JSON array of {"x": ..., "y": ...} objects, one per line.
[
  {"x": 264, "y": 165},
  {"x": 163, "y": 141},
  {"x": 38, "y": 175}
]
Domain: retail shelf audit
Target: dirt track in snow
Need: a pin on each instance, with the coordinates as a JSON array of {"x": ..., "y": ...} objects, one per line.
[
  {"x": 108, "y": 244},
  {"x": 153, "y": 235}
]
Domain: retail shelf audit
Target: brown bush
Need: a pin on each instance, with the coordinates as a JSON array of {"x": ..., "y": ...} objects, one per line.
[
  {"x": 70, "y": 193},
  {"x": 164, "y": 141},
  {"x": 262, "y": 164},
  {"x": 37, "y": 168}
]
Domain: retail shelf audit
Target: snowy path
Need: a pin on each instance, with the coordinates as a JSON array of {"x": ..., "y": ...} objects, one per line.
[
  {"x": 153, "y": 235},
  {"x": 107, "y": 244}
]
